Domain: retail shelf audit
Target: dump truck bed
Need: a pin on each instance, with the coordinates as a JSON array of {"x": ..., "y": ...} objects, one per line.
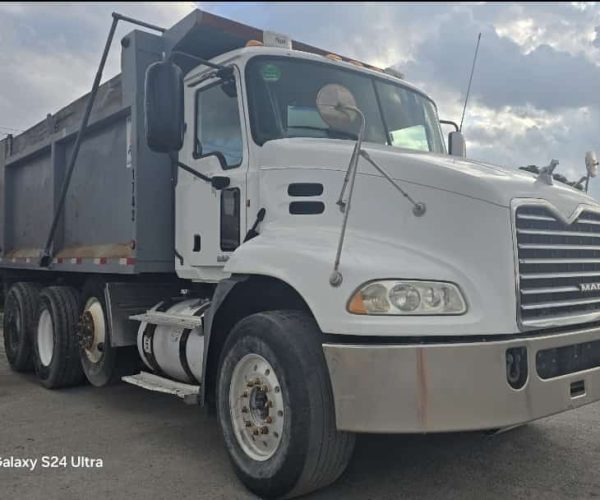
[{"x": 118, "y": 214}]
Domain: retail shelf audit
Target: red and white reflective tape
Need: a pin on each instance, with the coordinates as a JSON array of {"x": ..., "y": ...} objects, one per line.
[{"x": 99, "y": 261}]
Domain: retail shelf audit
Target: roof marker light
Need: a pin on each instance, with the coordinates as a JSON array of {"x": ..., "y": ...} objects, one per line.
[
  {"x": 334, "y": 57},
  {"x": 394, "y": 72},
  {"x": 272, "y": 39},
  {"x": 254, "y": 43}
]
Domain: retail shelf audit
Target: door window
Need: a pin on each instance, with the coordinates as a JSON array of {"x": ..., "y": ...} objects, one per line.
[{"x": 218, "y": 127}]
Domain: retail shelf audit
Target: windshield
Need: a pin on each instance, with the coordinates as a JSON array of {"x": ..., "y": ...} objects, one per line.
[{"x": 282, "y": 97}]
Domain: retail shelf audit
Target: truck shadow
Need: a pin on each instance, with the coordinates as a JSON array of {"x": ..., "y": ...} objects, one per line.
[{"x": 458, "y": 465}]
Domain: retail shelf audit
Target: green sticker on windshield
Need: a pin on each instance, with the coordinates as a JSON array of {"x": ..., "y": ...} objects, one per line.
[{"x": 270, "y": 73}]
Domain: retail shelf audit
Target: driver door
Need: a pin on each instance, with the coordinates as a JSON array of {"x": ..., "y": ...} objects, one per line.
[{"x": 211, "y": 223}]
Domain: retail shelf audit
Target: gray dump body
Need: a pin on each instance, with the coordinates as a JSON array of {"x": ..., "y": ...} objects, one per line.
[{"x": 118, "y": 215}]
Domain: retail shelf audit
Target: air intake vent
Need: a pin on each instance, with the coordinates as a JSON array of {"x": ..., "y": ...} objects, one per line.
[
  {"x": 305, "y": 189},
  {"x": 306, "y": 207},
  {"x": 559, "y": 267}
]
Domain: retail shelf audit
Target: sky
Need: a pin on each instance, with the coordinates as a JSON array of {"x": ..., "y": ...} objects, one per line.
[{"x": 535, "y": 94}]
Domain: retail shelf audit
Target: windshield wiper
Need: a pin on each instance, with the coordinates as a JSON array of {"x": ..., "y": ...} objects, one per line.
[{"x": 331, "y": 133}]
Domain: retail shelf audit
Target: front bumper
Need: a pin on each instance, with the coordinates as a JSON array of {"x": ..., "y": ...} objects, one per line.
[{"x": 452, "y": 386}]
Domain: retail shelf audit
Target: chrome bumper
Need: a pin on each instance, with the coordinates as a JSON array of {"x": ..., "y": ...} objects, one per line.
[{"x": 450, "y": 387}]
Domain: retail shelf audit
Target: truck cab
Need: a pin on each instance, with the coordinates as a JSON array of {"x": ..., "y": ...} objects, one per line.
[{"x": 256, "y": 129}]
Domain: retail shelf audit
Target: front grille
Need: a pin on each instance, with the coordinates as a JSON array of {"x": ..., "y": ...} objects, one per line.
[{"x": 559, "y": 266}]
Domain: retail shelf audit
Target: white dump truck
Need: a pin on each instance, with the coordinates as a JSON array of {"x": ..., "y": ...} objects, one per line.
[{"x": 284, "y": 235}]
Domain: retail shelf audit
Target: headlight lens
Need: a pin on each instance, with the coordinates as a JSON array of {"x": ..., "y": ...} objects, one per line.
[
  {"x": 405, "y": 297},
  {"x": 392, "y": 297}
]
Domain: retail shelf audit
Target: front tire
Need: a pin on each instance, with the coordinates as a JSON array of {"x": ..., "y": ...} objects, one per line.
[{"x": 275, "y": 406}]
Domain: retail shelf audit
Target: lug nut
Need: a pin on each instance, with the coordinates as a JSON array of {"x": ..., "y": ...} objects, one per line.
[
  {"x": 269, "y": 404},
  {"x": 244, "y": 409},
  {"x": 248, "y": 423},
  {"x": 269, "y": 420},
  {"x": 264, "y": 388},
  {"x": 255, "y": 432},
  {"x": 245, "y": 394},
  {"x": 264, "y": 430}
]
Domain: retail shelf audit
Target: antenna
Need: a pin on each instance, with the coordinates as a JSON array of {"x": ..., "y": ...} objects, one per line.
[{"x": 470, "y": 80}]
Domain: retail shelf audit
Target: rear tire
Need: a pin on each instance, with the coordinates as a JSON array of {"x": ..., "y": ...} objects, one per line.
[
  {"x": 20, "y": 311},
  {"x": 104, "y": 366},
  {"x": 56, "y": 350},
  {"x": 281, "y": 349}
]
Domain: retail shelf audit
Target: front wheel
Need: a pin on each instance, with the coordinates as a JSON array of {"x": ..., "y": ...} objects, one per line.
[{"x": 275, "y": 406}]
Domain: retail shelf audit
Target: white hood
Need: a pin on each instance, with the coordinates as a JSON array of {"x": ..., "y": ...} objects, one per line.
[{"x": 470, "y": 178}]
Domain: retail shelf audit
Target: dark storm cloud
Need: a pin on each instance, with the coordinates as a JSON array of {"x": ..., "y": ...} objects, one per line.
[{"x": 545, "y": 78}]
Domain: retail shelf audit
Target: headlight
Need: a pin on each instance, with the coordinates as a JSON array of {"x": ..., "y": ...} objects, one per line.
[{"x": 392, "y": 297}]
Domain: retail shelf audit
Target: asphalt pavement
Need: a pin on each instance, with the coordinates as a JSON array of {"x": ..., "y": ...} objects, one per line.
[{"x": 152, "y": 446}]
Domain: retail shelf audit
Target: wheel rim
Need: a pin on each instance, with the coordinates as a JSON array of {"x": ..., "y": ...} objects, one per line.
[
  {"x": 45, "y": 338},
  {"x": 256, "y": 407},
  {"x": 94, "y": 330}
]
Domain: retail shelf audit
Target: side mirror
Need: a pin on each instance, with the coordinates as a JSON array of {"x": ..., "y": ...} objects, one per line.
[
  {"x": 337, "y": 107},
  {"x": 591, "y": 163},
  {"x": 163, "y": 107},
  {"x": 456, "y": 144}
]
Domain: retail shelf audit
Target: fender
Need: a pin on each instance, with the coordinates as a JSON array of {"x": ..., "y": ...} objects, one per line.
[
  {"x": 303, "y": 257},
  {"x": 233, "y": 301}
]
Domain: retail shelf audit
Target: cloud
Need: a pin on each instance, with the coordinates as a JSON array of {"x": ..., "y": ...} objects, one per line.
[
  {"x": 51, "y": 52},
  {"x": 544, "y": 77}
]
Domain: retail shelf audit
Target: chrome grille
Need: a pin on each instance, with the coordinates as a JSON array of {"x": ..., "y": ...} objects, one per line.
[{"x": 556, "y": 260}]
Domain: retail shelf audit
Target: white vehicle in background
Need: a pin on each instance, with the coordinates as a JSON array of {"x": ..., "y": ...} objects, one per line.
[{"x": 281, "y": 233}]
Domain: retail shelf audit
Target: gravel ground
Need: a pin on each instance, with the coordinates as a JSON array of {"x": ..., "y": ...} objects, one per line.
[{"x": 154, "y": 447}]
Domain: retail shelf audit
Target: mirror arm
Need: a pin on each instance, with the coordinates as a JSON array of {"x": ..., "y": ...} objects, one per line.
[
  {"x": 587, "y": 182},
  {"x": 450, "y": 122},
  {"x": 218, "y": 182},
  {"x": 224, "y": 72},
  {"x": 190, "y": 170}
]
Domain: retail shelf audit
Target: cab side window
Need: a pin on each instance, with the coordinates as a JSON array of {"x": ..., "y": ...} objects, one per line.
[{"x": 218, "y": 127}]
